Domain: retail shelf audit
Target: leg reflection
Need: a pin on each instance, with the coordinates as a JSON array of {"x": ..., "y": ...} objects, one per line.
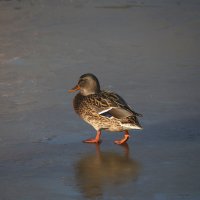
[{"x": 98, "y": 170}]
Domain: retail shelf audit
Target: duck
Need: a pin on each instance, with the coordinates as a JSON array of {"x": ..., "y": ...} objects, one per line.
[{"x": 103, "y": 109}]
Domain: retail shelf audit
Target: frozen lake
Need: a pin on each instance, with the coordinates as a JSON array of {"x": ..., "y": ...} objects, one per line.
[{"x": 146, "y": 51}]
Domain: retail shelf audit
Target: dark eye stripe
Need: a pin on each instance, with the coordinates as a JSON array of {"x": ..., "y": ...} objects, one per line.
[{"x": 81, "y": 81}]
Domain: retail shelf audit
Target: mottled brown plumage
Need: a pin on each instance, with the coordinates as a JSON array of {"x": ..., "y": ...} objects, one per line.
[{"x": 104, "y": 110}]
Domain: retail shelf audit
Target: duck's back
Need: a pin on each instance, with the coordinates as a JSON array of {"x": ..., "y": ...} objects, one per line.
[{"x": 103, "y": 102}]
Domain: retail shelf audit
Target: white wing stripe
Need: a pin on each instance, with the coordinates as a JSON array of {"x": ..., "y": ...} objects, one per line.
[{"x": 104, "y": 111}]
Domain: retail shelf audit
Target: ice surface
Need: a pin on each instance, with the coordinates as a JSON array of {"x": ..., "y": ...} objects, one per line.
[{"x": 146, "y": 51}]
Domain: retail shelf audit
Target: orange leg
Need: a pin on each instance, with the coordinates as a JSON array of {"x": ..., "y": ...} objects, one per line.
[
  {"x": 94, "y": 140},
  {"x": 124, "y": 140}
]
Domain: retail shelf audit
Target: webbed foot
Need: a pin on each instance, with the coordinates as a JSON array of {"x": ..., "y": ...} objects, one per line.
[
  {"x": 124, "y": 140},
  {"x": 94, "y": 140}
]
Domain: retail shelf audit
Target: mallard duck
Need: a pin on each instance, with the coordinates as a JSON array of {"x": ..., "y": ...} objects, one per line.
[{"x": 104, "y": 110}]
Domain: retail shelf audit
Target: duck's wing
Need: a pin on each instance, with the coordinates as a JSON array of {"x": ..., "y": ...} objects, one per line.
[{"x": 111, "y": 104}]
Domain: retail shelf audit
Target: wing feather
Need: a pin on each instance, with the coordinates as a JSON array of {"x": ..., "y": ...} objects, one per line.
[{"x": 111, "y": 103}]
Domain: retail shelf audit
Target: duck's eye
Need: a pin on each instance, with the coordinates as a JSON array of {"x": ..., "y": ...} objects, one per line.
[{"x": 81, "y": 82}]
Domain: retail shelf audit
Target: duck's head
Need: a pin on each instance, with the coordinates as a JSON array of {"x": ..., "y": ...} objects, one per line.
[{"x": 87, "y": 84}]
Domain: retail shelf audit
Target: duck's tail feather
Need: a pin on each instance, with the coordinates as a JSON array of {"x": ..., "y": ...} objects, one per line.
[
  {"x": 138, "y": 114},
  {"x": 131, "y": 123}
]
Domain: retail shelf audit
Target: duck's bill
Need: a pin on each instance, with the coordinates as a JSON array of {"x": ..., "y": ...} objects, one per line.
[{"x": 74, "y": 89}]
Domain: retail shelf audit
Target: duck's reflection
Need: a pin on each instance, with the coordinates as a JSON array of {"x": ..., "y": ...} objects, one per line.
[{"x": 101, "y": 169}]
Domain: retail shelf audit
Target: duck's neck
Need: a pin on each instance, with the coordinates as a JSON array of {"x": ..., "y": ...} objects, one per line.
[{"x": 86, "y": 92}]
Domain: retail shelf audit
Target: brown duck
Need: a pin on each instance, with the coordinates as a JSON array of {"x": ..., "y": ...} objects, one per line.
[{"x": 104, "y": 110}]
